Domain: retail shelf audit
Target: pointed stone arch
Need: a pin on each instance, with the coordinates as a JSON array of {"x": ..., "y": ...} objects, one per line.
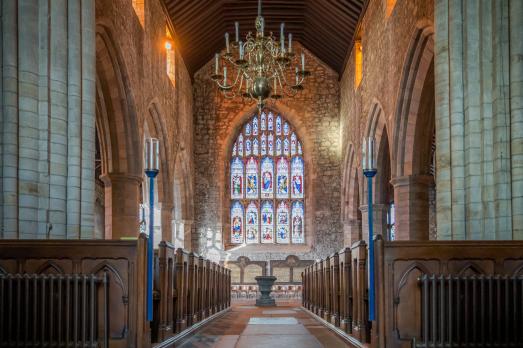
[
  {"x": 414, "y": 131},
  {"x": 225, "y": 152},
  {"x": 119, "y": 141},
  {"x": 351, "y": 215},
  {"x": 382, "y": 191}
]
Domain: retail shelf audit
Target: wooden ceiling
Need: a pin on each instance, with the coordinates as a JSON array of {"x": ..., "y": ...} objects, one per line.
[{"x": 324, "y": 27}]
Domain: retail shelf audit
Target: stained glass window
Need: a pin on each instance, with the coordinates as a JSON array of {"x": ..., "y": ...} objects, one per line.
[{"x": 267, "y": 183}]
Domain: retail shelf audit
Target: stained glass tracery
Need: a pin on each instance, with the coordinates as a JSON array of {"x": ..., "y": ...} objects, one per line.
[{"x": 267, "y": 183}]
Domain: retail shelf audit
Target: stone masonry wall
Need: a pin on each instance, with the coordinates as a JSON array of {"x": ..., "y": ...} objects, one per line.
[
  {"x": 141, "y": 47},
  {"x": 385, "y": 40},
  {"x": 314, "y": 114}
]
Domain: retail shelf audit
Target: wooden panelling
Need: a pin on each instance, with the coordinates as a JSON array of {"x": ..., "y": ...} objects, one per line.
[{"x": 123, "y": 262}]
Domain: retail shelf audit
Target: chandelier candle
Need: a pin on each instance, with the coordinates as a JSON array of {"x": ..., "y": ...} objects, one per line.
[{"x": 262, "y": 67}]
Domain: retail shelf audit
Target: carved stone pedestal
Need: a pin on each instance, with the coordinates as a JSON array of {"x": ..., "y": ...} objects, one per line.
[{"x": 265, "y": 285}]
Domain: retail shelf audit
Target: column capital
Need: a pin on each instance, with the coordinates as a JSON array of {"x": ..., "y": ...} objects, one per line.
[
  {"x": 375, "y": 207},
  {"x": 407, "y": 180},
  {"x": 108, "y": 178}
]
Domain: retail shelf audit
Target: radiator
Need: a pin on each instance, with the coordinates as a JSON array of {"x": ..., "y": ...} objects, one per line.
[
  {"x": 39, "y": 310},
  {"x": 471, "y": 311}
]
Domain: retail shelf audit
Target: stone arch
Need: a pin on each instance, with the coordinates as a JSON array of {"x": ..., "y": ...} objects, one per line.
[
  {"x": 414, "y": 131},
  {"x": 183, "y": 202},
  {"x": 224, "y": 155},
  {"x": 118, "y": 133},
  {"x": 119, "y": 125},
  {"x": 155, "y": 127},
  {"x": 377, "y": 128},
  {"x": 351, "y": 215},
  {"x": 411, "y": 140},
  {"x": 382, "y": 190}
]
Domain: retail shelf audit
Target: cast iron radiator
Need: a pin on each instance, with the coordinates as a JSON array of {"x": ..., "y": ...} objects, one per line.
[
  {"x": 47, "y": 310},
  {"x": 471, "y": 311}
]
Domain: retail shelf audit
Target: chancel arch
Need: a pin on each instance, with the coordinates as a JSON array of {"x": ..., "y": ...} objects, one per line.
[{"x": 414, "y": 132}]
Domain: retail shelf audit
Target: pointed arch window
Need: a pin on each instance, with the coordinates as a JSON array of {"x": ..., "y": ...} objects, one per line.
[{"x": 267, "y": 183}]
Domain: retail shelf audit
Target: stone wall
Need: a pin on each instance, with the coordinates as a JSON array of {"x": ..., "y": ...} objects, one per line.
[
  {"x": 389, "y": 104},
  {"x": 314, "y": 114},
  {"x": 131, "y": 57}
]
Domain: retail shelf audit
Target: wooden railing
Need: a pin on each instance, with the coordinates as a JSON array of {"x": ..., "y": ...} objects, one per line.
[
  {"x": 188, "y": 290},
  {"x": 336, "y": 288}
]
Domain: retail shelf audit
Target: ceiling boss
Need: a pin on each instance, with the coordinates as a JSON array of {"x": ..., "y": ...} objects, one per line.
[{"x": 261, "y": 66}]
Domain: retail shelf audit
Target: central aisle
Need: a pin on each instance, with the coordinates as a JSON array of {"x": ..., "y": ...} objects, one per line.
[{"x": 247, "y": 326}]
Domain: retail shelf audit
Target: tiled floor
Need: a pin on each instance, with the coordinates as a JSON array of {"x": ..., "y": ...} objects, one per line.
[{"x": 247, "y": 326}]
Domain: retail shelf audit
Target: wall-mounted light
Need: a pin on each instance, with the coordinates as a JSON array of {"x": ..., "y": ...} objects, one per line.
[{"x": 168, "y": 45}]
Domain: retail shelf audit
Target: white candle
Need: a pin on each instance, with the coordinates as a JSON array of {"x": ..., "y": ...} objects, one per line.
[
  {"x": 237, "y": 27},
  {"x": 370, "y": 153},
  {"x": 290, "y": 43},
  {"x": 296, "y": 75},
  {"x": 225, "y": 76},
  {"x": 303, "y": 61},
  {"x": 216, "y": 63},
  {"x": 262, "y": 25},
  {"x": 240, "y": 44},
  {"x": 227, "y": 41},
  {"x": 152, "y": 153},
  {"x": 364, "y": 154}
]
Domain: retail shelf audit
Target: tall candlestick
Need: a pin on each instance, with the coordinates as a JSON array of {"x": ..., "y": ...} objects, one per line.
[
  {"x": 237, "y": 27},
  {"x": 216, "y": 63},
  {"x": 227, "y": 42},
  {"x": 290, "y": 43}
]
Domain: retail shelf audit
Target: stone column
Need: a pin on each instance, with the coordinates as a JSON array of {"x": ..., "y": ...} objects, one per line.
[
  {"x": 47, "y": 84},
  {"x": 352, "y": 232},
  {"x": 516, "y": 111},
  {"x": 167, "y": 219},
  {"x": 122, "y": 201},
  {"x": 479, "y": 126},
  {"x": 411, "y": 203},
  {"x": 379, "y": 217}
]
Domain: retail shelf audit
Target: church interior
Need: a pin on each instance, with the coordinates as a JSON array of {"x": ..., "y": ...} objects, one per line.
[{"x": 248, "y": 173}]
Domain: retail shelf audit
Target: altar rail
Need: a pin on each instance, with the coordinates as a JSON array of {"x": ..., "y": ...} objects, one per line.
[
  {"x": 336, "y": 288},
  {"x": 106, "y": 283}
]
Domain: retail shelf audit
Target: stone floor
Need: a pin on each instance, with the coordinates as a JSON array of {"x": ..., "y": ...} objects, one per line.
[{"x": 247, "y": 326}]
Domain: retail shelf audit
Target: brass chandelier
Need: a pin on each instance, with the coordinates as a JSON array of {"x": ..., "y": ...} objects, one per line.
[{"x": 261, "y": 66}]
